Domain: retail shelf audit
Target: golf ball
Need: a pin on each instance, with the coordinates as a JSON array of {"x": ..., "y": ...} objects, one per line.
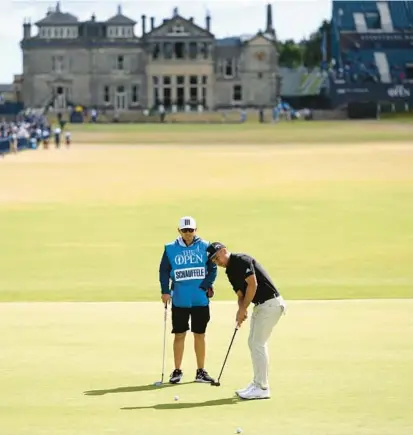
[
  {"x": 176, "y": 398},
  {"x": 239, "y": 430}
]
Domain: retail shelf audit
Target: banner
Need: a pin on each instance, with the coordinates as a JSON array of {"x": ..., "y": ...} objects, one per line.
[
  {"x": 376, "y": 41},
  {"x": 343, "y": 93}
]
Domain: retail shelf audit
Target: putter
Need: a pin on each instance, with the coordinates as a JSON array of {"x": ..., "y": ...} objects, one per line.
[
  {"x": 217, "y": 383},
  {"x": 164, "y": 346}
]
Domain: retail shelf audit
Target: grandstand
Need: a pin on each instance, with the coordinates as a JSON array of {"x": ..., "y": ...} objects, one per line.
[{"x": 372, "y": 47}]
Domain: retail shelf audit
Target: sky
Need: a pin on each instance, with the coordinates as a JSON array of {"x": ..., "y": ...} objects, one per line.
[{"x": 292, "y": 18}]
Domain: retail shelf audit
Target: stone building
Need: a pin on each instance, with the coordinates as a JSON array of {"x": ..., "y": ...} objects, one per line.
[{"x": 106, "y": 64}]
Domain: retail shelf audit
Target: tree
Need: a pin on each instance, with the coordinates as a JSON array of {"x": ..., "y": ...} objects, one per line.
[
  {"x": 307, "y": 51},
  {"x": 291, "y": 54}
]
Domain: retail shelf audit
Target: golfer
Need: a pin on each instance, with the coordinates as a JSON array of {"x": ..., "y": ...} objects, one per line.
[
  {"x": 185, "y": 263},
  {"x": 253, "y": 285}
]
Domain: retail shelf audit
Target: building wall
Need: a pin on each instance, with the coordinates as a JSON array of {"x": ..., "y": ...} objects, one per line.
[{"x": 85, "y": 72}]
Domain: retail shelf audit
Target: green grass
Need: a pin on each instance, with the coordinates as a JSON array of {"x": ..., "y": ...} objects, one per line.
[
  {"x": 326, "y": 224},
  {"x": 337, "y": 368},
  {"x": 330, "y": 132},
  {"x": 87, "y": 225}
]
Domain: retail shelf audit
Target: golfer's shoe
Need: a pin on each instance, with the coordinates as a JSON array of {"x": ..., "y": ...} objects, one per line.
[
  {"x": 203, "y": 376},
  {"x": 255, "y": 393},
  {"x": 176, "y": 376},
  {"x": 244, "y": 390}
]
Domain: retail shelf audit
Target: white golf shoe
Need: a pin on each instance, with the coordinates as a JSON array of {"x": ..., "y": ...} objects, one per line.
[
  {"x": 255, "y": 393},
  {"x": 244, "y": 390}
]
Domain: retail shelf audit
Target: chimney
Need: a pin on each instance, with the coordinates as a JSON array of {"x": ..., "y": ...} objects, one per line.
[
  {"x": 191, "y": 19},
  {"x": 119, "y": 10},
  {"x": 175, "y": 12},
  {"x": 269, "y": 26},
  {"x": 143, "y": 18},
  {"x": 58, "y": 7},
  {"x": 208, "y": 22},
  {"x": 27, "y": 30},
  {"x": 93, "y": 17},
  {"x": 152, "y": 23}
]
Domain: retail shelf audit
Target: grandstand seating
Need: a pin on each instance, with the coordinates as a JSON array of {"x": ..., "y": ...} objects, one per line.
[
  {"x": 402, "y": 14},
  {"x": 382, "y": 57}
]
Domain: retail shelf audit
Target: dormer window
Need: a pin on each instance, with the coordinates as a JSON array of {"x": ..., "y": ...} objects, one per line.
[
  {"x": 58, "y": 32},
  {"x": 120, "y": 32}
]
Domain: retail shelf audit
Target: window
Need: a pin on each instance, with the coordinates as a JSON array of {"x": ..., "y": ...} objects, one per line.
[
  {"x": 180, "y": 91},
  {"x": 120, "y": 63},
  {"x": 135, "y": 94},
  {"x": 204, "y": 80},
  {"x": 228, "y": 68},
  {"x": 155, "y": 96},
  {"x": 204, "y": 50},
  {"x": 120, "y": 89},
  {"x": 204, "y": 96},
  {"x": 167, "y": 97},
  {"x": 193, "y": 94},
  {"x": 180, "y": 97},
  {"x": 193, "y": 50},
  {"x": 167, "y": 80},
  {"x": 259, "y": 75},
  {"x": 156, "y": 51},
  {"x": 237, "y": 93},
  {"x": 106, "y": 95},
  {"x": 155, "y": 81},
  {"x": 167, "y": 50},
  {"x": 193, "y": 80},
  {"x": 179, "y": 50}
]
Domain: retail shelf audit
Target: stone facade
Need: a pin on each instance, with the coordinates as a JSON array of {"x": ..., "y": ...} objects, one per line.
[{"x": 106, "y": 65}]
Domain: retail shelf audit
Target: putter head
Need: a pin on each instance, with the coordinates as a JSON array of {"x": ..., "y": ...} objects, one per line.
[
  {"x": 157, "y": 384},
  {"x": 215, "y": 384}
]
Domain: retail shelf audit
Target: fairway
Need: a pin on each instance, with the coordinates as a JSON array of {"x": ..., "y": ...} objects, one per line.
[
  {"x": 89, "y": 223},
  {"x": 326, "y": 208}
]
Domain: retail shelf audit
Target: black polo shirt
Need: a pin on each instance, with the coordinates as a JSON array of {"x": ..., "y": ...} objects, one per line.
[{"x": 240, "y": 267}]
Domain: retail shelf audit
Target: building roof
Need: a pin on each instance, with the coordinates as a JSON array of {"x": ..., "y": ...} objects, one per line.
[
  {"x": 6, "y": 87},
  {"x": 119, "y": 18},
  {"x": 232, "y": 41},
  {"x": 57, "y": 17}
]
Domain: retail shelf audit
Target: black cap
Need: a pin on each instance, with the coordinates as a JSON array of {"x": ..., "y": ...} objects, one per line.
[{"x": 213, "y": 248}]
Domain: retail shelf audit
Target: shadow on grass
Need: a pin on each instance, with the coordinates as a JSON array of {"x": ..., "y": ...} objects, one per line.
[
  {"x": 132, "y": 389},
  {"x": 186, "y": 405}
]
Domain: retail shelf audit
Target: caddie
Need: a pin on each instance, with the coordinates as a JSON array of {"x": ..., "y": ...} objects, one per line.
[{"x": 186, "y": 277}]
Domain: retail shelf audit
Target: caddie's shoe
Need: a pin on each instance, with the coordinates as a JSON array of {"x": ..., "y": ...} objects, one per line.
[
  {"x": 244, "y": 390},
  {"x": 176, "y": 376},
  {"x": 203, "y": 376},
  {"x": 255, "y": 393}
]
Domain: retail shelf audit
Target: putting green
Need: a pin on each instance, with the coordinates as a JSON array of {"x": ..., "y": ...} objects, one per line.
[{"x": 337, "y": 367}]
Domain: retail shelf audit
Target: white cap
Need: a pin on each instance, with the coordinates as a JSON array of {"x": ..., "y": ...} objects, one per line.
[{"x": 187, "y": 222}]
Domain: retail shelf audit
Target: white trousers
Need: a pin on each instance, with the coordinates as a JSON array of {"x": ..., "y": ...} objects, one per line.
[{"x": 264, "y": 318}]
